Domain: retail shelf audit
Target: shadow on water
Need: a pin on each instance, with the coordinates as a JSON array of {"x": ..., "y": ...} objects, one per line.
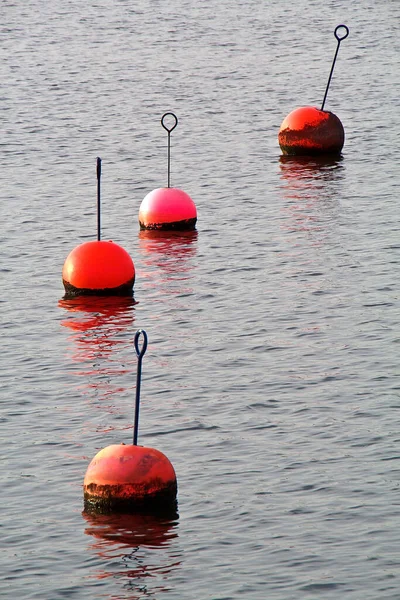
[{"x": 135, "y": 549}]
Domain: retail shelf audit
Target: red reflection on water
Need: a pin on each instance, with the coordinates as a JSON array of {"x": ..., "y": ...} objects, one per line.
[
  {"x": 136, "y": 546},
  {"x": 167, "y": 265},
  {"x": 310, "y": 167},
  {"x": 123, "y": 530},
  {"x": 169, "y": 251},
  {"x": 97, "y": 323},
  {"x": 310, "y": 186},
  {"x": 95, "y": 311},
  {"x": 99, "y": 327}
]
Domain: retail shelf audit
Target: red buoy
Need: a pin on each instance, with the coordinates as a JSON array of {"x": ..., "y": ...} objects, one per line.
[
  {"x": 131, "y": 478},
  {"x": 167, "y": 209},
  {"x": 98, "y": 268},
  {"x": 310, "y": 131},
  {"x": 127, "y": 478}
]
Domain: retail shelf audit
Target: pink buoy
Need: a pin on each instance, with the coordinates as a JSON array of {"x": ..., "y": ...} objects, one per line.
[{"x": 168, "y": 208}]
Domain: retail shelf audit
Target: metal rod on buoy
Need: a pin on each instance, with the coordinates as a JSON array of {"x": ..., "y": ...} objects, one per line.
[
  {"x": 169, "y": 129},
  {"x": 339, "y": 39},
  {"x": 98, "y": 197},
  {"x": 140, "y": 353}
]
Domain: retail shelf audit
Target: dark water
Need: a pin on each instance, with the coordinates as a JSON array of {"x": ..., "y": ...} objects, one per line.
[{"x": 271, "y": 377}]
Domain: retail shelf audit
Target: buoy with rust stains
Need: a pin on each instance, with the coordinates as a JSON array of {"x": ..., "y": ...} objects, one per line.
[
  {"x": 98, "y": 268},
  {"x": 168, "y": 208},
  {"x": 312, "y": 131},
  {"x": 131, "y": 478}
]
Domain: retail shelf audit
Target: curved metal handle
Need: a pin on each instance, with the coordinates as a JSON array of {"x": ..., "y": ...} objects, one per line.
[
  {"x": 169, "y": 114},
  {"x": 140, "y": 351},
  {"x": 343, "y": 37}
]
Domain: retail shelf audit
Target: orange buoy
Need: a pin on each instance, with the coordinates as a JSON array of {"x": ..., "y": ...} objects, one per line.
[
  {"x": 167, "y": 209},
  {"x": 131, "y": 478},
  {"x": 98, "y": 268},
  {"x": 127, "y": 478},
  {"x": 310, "y": 131}
]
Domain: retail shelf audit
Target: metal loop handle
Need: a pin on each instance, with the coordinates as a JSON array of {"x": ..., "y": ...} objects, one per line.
[
  {"x": 337, "y": 36},
  {"x": 140, "y": 352},
  {"x": 169, "y": 114},
  {"x": 339, "y": 39}
]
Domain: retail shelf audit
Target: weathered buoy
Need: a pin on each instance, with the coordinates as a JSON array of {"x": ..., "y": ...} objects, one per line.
[
  {"x": 131, "y": 478},
  {"x": 126, "y": 478},
  {"x": 168, "y": 208},
  {"x": 311, "y": 131},
  {"x": 98, "y": 268}
]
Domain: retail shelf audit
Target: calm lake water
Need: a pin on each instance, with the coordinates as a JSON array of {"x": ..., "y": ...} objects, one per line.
[{"x": 271, "y": 379}]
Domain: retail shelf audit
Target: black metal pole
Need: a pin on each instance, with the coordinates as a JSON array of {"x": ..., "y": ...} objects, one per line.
[
  {"x": 169, "y": 158},
  {"x": 339, "y": 39},
  {"x": 98, "y": 198}
]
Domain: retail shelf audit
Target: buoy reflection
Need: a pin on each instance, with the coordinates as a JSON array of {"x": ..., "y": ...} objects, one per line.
[
  {"x": 311, "y": 187},
  {"x": 121, "y": 530},
  {"x": 168, "y": 250},
  {"x": 310, "y": 167},
  {"x": 309, "y": 180},
  {"x": 166, "y": 259},
  {"x": 138, "y": 550},
  {"x": 89, "y": 312},
  {"x": 99, "y": 337}
]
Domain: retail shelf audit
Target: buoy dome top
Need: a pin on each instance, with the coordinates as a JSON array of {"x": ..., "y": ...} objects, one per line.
[
  {"x": 168, "y": 204},
  {"x": 303, "y": 117},
  {"x": 128, "y": 464}
]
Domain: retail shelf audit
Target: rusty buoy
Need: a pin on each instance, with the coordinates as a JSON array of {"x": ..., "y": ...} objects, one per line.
[
  {"x": 310, "y": 131},
  {"x": 127, "y": 478}
]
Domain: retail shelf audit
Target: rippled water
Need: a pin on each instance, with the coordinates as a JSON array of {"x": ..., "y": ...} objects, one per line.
[{"x": 271, "y": 376}]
